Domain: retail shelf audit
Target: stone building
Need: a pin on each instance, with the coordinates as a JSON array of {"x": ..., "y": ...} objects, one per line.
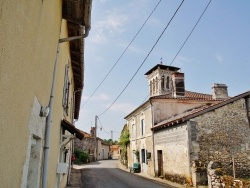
[
  {"x": 168, "y": 98},
  {"x": 90, "y": 144},
  {"x": 187, "y": 142}
]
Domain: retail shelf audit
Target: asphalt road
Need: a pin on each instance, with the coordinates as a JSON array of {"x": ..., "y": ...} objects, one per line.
[{"x": 105, "y": 174}]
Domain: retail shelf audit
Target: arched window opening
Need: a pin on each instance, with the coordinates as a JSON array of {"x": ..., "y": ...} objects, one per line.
[
  {"x": 167, "y": 83},
  {"x": 150, "y": 87},
  {"x": 162, "y": 82},
  {"x": 156, "y": 86},
  {"x": 153, "y": 85}
]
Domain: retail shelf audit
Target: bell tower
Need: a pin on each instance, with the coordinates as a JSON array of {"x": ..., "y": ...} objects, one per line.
[{"x": 160, "y": 79}]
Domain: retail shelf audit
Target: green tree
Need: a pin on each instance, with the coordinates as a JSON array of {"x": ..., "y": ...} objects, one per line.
[
  {"x": 110, "y": 141},
  {"x": 124, "y": 142}
]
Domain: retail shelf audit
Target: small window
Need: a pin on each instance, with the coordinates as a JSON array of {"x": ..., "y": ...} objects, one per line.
[
  {"x": 133, "y": 131},
  {"x": 167, "y": 83},
  {"x": 162, "y": 82},
  {"x": 66, "y": 90},
  {"x": 143, "y": 156},
  {"x": 142, "y": 127}
]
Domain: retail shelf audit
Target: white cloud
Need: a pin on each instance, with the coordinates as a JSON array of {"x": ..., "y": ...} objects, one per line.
[
  {"x": 100, "y": 97},
  {"x": 103, "y": 1},
  {"x": 122, "y": 107},
  {"x": 219, "y": 58},
  {"x": 183, "y": 59},
  {"x": 112, "y": 22}
]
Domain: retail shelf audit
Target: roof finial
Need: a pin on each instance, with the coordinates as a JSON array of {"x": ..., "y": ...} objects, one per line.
[{"x": 161, "y": 60}]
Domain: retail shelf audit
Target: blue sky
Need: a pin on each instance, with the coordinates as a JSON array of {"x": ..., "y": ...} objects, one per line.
[{"x": 218, "y": 51}]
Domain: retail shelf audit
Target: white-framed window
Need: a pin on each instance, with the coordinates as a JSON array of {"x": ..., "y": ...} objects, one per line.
[
  {"x": 66, "y": 89},
  {"x": 162, "y": 82},
  {"x": 143, "y": 156},
  {"x": 133, "y": 131},
  {"x": 142, "y": 127}
]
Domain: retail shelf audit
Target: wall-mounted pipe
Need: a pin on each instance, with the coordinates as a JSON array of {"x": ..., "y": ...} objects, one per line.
[
  {"x": 48, "y": 125},
  {"x": 87, "y": 29}
]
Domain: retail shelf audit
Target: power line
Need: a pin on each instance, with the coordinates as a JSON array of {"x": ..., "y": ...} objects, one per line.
[
  {"x": 191, "y": 32},
  {"x": 102, "y": 128},
  {"x": 143, "y": 60},
  {"x": 122, "y": 53}
]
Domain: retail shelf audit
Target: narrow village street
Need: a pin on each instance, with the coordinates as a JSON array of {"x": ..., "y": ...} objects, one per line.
[{"x": 106, "y": 174}]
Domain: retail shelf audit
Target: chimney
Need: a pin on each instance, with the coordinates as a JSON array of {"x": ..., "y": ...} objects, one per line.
[
  {"x": 93, "y": 132},
  {"x": 178, "y": 84},
  {"x": 219, "y": 91}
]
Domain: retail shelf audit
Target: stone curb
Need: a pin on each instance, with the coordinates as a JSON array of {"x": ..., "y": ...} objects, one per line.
[{"x": 158, "y": 180}]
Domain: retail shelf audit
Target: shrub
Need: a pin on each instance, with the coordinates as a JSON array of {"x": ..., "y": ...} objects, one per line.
[{"x": 81, "y": 157}]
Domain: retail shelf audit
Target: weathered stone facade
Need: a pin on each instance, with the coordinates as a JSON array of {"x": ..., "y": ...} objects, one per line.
[
  {"x": 219, "y": 132},
  {"x": 87, "y": 145},
  {"x": 222, "y": 134},
  {"x": 173, "y": 142}
]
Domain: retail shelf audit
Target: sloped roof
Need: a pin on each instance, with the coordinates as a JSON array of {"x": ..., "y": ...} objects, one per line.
[
  {"x": 196, "y": 112},
  {"x": 71, "y": 128},
  {"x": 85, "y": 134},
  {"x": 189, "y": 95},
  {"x": 165, "y": 67}
]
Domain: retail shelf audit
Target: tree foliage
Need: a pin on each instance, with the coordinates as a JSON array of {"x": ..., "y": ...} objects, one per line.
[
  {"x": 124, "y": 142},
  {"x": 110, "y": 141},
  {"x": 81, "y": 157},
  {"x": 124, "y": 139}
]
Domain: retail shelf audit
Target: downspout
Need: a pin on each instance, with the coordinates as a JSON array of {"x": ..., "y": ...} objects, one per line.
[
  {"x": 153, "y": 140},
  {"x": 48, "y": 125},
  {"x": 49, "y": 118},
  {"x": 87, "y": 29}
]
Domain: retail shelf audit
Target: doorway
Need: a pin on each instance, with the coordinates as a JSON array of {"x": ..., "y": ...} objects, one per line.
[{"x": 160, "y": 162}]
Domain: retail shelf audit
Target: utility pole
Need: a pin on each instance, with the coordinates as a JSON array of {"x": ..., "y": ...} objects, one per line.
[
  {"x": 112, "y": 137},
  {"x": 96, "y": 140}
]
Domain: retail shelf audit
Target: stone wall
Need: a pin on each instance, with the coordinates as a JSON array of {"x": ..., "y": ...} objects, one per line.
[
  {"x": 86, "y": 144},
  {"x": 174, "y": 145},
  {"x": 220, "y": 134}
]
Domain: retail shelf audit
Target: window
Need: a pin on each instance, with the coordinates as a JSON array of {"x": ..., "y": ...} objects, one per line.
[
  {"x": 151, "y": 87},
  {"x": 133, "y": 131},
  {"x": 142, "y": 127},
  {"x": 162, "y": 82},
  {"x": 143, "y": 156},
  {"x": 66, "y": 90},
  {"x": 156, "y": 85},
  {"x": 167, "y": 83}
]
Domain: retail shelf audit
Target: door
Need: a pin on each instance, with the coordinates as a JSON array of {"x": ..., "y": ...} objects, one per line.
[
  {"x": 160, "y": 162},
  {"x": 102, "y": 153}
]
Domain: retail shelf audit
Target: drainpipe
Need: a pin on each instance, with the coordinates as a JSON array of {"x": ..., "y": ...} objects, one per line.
[
  {"x": 48, "y": 125},
  {"x": 49, "y": 118},
  {"x": 87, "y": 29},
  {"x": 153, "y": 140}
]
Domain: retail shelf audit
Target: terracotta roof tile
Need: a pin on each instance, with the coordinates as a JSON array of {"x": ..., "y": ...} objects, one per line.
[
  {"x": 197, "y": 111},
  {"x": 189, "y": 95}
]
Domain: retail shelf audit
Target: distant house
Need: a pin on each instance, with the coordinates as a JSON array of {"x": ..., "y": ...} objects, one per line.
[
  {"x": 90, "y": 144},
  {"x": 103, "y": 150},
  {"x": 115, "y": 151},
  {"x": 87, "y": 144},
  {"x": 168, "y": 98},
  {"x": 187, "y": 142}
]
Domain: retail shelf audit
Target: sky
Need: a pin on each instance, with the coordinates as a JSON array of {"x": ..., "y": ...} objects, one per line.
[{"x": 217, "y": 51}]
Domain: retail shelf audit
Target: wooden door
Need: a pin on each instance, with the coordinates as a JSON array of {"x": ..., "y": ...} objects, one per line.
[{"x": 160, "y": 162}]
